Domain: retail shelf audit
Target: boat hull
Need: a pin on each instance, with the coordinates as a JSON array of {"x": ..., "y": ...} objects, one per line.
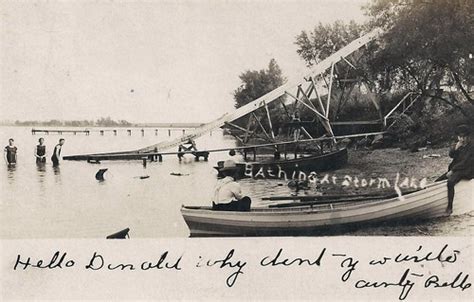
[
  {"x": 292, "y": 168},
  {"x": 428, "y": 203}
]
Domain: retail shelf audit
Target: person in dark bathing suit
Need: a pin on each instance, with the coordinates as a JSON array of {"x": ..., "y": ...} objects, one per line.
[
  {"x": 10, "y": 152},
  {"x": 40, "y": 152},
  {"x": 57, "y": 152}
]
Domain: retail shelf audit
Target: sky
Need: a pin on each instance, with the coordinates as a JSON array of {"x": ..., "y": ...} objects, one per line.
[{"x": 162, "y": 61}]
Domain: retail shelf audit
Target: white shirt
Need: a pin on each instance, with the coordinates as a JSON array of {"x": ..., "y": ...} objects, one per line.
[{"x": 227, "y": 190}]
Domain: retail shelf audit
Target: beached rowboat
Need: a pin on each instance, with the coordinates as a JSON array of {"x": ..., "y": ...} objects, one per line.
[
  {"x": 290, "y": 168},
  {"x": 427, "y": 203}
]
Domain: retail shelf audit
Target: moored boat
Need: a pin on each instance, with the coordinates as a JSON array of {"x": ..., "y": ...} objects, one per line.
[
  {"x": 430, "y": 202},
  {"x": 290, "y": 168}
]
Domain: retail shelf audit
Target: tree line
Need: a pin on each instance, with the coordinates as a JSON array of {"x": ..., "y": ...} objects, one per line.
[{"x": 101, "y": 122}]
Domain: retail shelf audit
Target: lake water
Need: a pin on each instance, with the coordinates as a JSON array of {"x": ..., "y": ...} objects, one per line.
[{"x": 68, "y": 202}]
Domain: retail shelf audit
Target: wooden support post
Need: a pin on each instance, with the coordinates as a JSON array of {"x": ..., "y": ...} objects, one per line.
[
  {"x": 318, "y": 96},
  {"x": 169, "y": 132},
  {"x": 306, "y": 133},
  {"x": 143, "y": 132},
  {"x": 144, "y": 162},
  {"x": 160, "y": 158},
  {"x": 247, "y": 131},
  {"x": 330, "y": 89},
  {"x": 156, "y": 132},
  {"x": 311, "y": 108},
  {"x": 286, "y": 110},
  {"x": 306, "y": 97},
  {"x": 263, "y": 128},
  {"x": 269, "y": 121},
  {"x": 254, "y": 154},
  {"x": 348, "y": 63}
]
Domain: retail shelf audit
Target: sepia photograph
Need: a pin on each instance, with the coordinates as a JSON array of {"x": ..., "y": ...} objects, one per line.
[{"x": 277, "y": 120}]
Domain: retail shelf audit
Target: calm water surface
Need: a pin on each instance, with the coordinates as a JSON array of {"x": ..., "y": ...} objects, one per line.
[{"x": 68, "y": 202}]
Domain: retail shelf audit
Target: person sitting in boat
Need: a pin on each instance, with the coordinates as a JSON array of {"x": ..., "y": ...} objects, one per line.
[
  {"x": 228, "y": 193},
  {"x": 462, "y": 166},
  {"x": 190, "y": 145},
  {"x": 40, "y": 151},
  {"x": 10, "y": 152}
]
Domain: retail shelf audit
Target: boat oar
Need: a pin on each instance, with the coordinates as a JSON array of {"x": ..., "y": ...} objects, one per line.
[
  {"x": 324, "y": 197},
  {"x": 353, "y": 198}
]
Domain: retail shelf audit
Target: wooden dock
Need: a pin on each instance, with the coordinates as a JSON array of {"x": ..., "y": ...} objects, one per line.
[{"x": 102, "y": 132}]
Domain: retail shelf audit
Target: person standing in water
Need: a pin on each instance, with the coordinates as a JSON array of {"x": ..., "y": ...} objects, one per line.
[
  {"x": 57, "y": 152},
  {"x": 10, "y": 152},
  {"x": 40, "y": 152}
]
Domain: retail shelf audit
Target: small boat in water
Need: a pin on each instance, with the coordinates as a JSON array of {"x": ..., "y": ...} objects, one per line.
[
  {"x": 290, "y": 168},
  {"x": 313, "y": 217}
]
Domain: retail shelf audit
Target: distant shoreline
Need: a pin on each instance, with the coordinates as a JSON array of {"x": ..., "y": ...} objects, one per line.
[{"x": 140, "y": 125}]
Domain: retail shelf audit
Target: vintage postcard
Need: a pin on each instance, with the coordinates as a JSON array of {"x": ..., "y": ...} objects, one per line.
[{"x": 237, "y": 150}]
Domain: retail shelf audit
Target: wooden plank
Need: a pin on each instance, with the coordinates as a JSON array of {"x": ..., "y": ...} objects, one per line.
[
  {"x": 270, "y": 121},
  {"x": 249, "y": 123},
  {"x": 328, "y": 101},
  {"x": 348, "y": 63},
  {"x": 306, "y": 132},
  {"x": 311, "y": 108},
  {"x": 318, "y": 96},
  {"x": 261, "y": 126},
  {"x": 306, "y": 97}
]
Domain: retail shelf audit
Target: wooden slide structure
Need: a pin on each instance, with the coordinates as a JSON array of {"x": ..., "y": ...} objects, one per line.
[{"x": 301, "y": 92}]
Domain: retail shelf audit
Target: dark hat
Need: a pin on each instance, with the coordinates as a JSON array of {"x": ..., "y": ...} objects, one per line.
[{"x": 463, "y": 130}]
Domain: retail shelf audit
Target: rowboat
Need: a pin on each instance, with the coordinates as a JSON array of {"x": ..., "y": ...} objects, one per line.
[
  {"x": 428, "y": 203},
  {"x": 290, "y": 168}
]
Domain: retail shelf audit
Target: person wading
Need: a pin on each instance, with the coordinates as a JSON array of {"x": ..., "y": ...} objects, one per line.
[
  {"x": 57, "y": 152},
  {"x": 228, "y": 193},
  {"x": 462, "y": 166},
  {"x": 10, "y": 152},
  {"x": 40, "y": 152}
]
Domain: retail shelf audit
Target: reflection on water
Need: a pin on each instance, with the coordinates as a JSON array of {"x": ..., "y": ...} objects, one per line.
[{"x": 69, "y": 202}]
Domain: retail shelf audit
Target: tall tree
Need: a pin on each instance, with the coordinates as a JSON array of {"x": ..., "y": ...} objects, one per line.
[
  {"x": 325, "y": 39},
  {"x": 427, "y": 43},
  {"x": 257, "y": 83}
]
